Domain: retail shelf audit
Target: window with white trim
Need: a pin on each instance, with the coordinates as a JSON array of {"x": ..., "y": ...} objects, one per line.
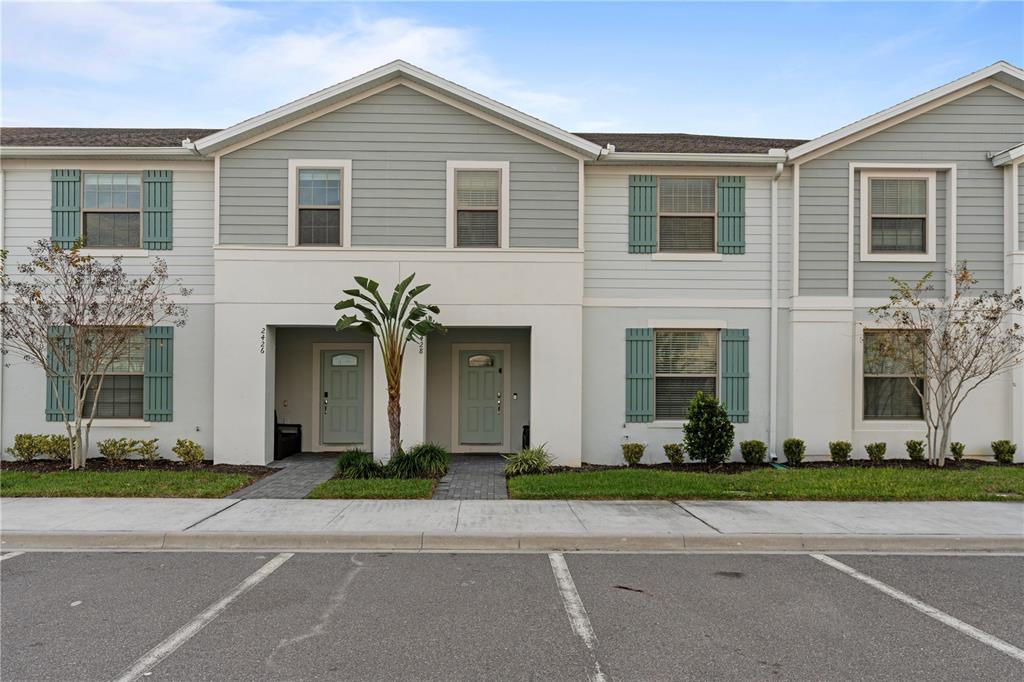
[
  {"x": 112, "y": 210},
  {"x": 898, "y": 215},
  {"x": 685, "y": 361},
  {"x": 893, "y": 375},
  {"x": 319, "y": 206},
  {"x": 121, "y": 394},
  {"x": 687, "y": 209},
  {"x": 477, "y": 208}
]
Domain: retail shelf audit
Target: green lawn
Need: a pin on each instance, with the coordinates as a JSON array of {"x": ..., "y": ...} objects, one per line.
[
  {"x": 143, "y": 483},
  {"x": 853, "y": 483},
  {"x": 374, "y": 488}
]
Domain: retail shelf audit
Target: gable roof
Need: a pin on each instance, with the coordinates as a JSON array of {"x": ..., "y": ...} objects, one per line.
[
  {"x": 100, "y": 137},
  {"x": 685, "y": 143},
  {"x": 394, "y": 71},
  {"x": 1002, "y": 72}
]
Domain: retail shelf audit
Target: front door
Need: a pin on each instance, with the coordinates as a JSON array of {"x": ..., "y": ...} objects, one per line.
[
  {"x": 481, "y": 421},
  {"x": 341, "y": 397}
]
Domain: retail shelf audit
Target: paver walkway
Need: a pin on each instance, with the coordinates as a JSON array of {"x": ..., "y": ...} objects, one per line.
[
  {"x": 298, "y": 476},
  {"x": 473, "y": 477}
]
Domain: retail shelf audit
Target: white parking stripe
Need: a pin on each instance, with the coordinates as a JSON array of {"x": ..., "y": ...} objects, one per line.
[
  {"x": 578, "y": 617},
  {"x": 10, "y": 555},
  {"x": 189, "y": 630},
  {"x": 928, "y": 610}
]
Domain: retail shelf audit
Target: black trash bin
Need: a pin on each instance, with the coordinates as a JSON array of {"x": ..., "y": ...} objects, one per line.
[{"x": 526, "y": 436}]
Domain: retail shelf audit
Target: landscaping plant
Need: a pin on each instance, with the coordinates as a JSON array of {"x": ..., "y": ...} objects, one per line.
[
  {"x": 426, "y": 460},
  {"x": 794, "y": 450},
  {"x": 948, "y": 346},
  {"x": 1004, "y": 451},
  {"x": 708, "y": 434},
  {"x": 359, "y": 464},
  {"x": 958, "y": 449},
  {"x": 189, "y": 451},
  {"x": 147, "y": 450},
  {"x": 27, "y": 446},
  {"x": 58, "y": 447},
  {"x": 74, "y": 316},
  {"x": 116, "y": 450},
  {"x": 528, "y": 461},
  {"x": 394, "y": 325},
  {"x": 633, "y": 453},
  {"x": 675, "y": 454},
  {"x": 840, "y": 450},
  {"x": 915, "y": 450},
  {"x": 753, "y": 451},
  {"x": 876, "y": 452}
]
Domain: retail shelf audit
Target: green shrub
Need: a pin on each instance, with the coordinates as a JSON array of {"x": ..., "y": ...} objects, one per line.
[
  {"x": 1004, "y": 451},
  {"x": 708, "y": 434},
  {"x": 915, "y": 450},
  {"x": 753, "y": 451},
  {"x": 633, "y": 453},
  {"x": 58, "y": 447},
  {"x": 958, "y": 449},
  {"x": 529, "y": 461},
  {"x": 794, "y": 449},
  {"x": 189, "y": 451},
  {"x": 876, "y": 452},
  {"x": 116, "y": 450},
  {"x": 27, "y": 446},
  {"x": 147, "y": 449},
  {"x": 359, "y": 464},
  {"x": 675, "y": 453},
  {"x": 840, "y": 450},
  {"x": 426, "y": 460}
]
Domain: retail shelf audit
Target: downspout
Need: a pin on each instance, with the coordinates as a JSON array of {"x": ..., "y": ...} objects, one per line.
[{"x": 773, "y": 360}]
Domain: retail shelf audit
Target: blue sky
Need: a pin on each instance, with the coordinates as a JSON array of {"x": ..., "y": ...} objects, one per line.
[{"x": 772, "y": 69}]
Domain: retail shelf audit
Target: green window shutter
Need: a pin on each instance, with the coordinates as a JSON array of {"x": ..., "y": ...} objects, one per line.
[
  {"x": 736, "y": 374},
  {"x": 157, "y": 216},
  {"x": 158, "y": 383},
  {"x": 639, "y": 375},
  {"x": 732, "y": 214},
  {"x": 59, "y": 392},
  {"x": 643, "y": 213},
  {"x": 66, "y": 207}
]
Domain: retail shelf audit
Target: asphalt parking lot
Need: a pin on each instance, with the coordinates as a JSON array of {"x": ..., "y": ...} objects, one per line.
[{"x": 445, "y": 616}]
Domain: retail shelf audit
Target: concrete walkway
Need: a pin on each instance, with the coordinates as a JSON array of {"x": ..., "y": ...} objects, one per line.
[
  {"x": 473, "y": 477},
  {"x": 298, "y": 476},
  {"x": 27, "y": 523}
]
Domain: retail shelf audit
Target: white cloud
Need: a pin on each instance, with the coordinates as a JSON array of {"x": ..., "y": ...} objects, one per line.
[{"x": 208, "y": 64}]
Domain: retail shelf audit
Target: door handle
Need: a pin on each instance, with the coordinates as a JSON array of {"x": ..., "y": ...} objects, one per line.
[
  {"x": 499, "y": 402},
  {"x": 325, "y": 405}
]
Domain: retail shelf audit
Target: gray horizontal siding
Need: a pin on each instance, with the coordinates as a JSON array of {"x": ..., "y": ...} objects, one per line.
[
  {"x": 399, "y": 142},
  {"x": 961, "y": 132},
  {"x": 27, "y": 220},
  {"x": 610, "y": 271}
]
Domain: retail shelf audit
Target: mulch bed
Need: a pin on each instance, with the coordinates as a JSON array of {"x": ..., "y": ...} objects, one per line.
[
  {"x": 43, "y": 466},
  {"x": 740, "y": 467}
]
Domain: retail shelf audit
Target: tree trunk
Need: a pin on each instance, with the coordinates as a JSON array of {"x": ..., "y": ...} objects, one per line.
[
  {"x": 77, "y": 451},
  {"x": 395, "y": 419}
]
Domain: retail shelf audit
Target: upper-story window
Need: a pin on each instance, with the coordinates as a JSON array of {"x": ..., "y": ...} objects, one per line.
[
  {"x": 685, "y": 361},
  {"x": 897, "y": 216},
  {"x": 112, "y": 210},
  {"x": 319, "y": 206},
  {"x": 477, "y": 214},
  {"x": 686, "y": 215}
]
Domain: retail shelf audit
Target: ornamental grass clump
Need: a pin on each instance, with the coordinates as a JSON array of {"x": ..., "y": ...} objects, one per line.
[
  {"x": 359, "y": 464},
  {"x": 675, "y": 454},
  {"x": 839, "y": 450},
  {"x": 876, "y": 452},
  {"x": 915, "y": 450},
  {"x": 708, "y": 434},
  {"x": 1004, "y": 451},
  {"x": 753, "y": 451},
  {"x": 426, "y": 460},
  {"x": 633, "y": 453},
  {"x": 794, "y": 449},
  {"x": 528, "y": 461}
]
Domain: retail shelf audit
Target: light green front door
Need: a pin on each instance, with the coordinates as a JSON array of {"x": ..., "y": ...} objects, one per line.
[
  {"x": 481, "y": 421},
  {"x": 341, "y": 397}
]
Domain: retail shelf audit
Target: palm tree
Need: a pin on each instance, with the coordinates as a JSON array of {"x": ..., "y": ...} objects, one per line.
[{"x": 394, "y": 325}]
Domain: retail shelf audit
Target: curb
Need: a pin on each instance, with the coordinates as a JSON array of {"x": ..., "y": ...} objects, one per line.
[{"x": 225, "y": 541}]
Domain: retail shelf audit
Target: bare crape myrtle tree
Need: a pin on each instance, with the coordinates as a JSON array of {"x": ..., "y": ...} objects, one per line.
[
  {"x": 75, "y": 316},
  {"x": 948, "y": 347}
]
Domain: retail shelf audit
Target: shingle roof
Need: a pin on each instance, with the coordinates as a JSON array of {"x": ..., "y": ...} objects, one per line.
[
  {"x": 99, "y": 137},
  {"x": 683, "y": 143}
]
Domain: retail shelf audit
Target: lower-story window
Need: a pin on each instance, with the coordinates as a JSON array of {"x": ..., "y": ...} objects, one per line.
[
  {"x": 893, "y": 376},
  {"x": 685, "y": 361},
  {"x": 121, "y": 395}
]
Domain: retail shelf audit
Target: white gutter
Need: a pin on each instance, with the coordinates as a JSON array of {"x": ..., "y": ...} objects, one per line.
[
  {"x": 104, "y": 152},
  {"x": 772, "y": 157},
  {"x": 773, "y": 353}
]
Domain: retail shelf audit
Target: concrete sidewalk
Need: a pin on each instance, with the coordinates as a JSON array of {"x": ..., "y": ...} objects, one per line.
[{"x": 501, "y": 525}]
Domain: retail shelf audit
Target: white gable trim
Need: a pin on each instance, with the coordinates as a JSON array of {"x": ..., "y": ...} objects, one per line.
[
  {"x": 398, "y": 69},
  {"x": 1007, "y": 156},
  {"x": 909, "y": 109}
]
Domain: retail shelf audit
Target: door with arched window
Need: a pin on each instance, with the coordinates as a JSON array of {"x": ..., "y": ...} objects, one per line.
[
  {"x": 481, "y": 422},
  {"x": 342, "y": 397}
]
